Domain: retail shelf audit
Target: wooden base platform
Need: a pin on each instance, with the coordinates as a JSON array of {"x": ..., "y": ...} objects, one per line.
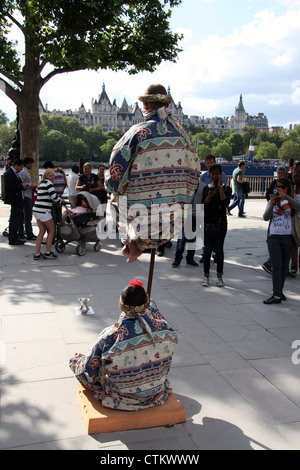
[{"x": 98, "y": 418}]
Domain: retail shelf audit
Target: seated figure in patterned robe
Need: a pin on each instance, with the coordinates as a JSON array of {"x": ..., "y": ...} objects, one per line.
[
  {"x": 156, "y": 169},
  {"x": 127, "y": 367}
]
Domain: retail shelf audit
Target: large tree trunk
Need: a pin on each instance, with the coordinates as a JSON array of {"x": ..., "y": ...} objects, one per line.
[
  {"x": 29, "y": 126},
  {"x": 29, "y": 116}
]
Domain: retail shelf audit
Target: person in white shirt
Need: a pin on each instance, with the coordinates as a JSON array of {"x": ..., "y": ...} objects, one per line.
[
  {"x": 280, "y": 211},
  {"x": 72, "y": 180}
]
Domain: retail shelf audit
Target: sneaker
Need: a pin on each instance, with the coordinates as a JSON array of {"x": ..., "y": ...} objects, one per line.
[
  {"x": 267, "y": 268},
  {"x": 176, "y": 264},
  {"x": 50, "y": 255},
  {"x": 192, "y": 263},
  {"x": 220, "y": 282},
  {"x": 293, "y": 272},
  {"x": 17, "y": 242},
  {"x": 205, "y": 282},
  {"x": 39, "y": 256},
  {"x": 272, "y": 300}
]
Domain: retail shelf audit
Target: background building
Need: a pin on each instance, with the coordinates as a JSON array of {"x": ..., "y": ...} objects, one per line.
[{"x": 110, "y": 117}]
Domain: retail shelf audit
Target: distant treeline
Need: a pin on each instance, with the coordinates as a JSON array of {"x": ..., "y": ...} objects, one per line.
[{"x": 64, "y": 140}]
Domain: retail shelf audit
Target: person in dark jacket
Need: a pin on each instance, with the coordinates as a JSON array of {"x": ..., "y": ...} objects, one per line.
[
  {"x": 14, "y": 196},
  {"x": 216, "y": 199}
]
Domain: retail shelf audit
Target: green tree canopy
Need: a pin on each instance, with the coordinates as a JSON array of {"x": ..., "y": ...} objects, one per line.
[
  {"x": 289, "y": 149},
  {"x": 54, "y": 146},
  {"x": 236, "y": 141},
  {"x": 94, "y": 139},
  {"x": 266, "y": 150},
  {"x": 7, "y": 134},
  {"x": 64, "y": 139},
  {"x": 106, "y": 148},
  {"x": 203, "y": 150},
  {"x": 249, "y": 135},
  {"x": 67, "y": 36},
  {"x": 3, "y": 118},
  {"x": 222, "y": 150}
]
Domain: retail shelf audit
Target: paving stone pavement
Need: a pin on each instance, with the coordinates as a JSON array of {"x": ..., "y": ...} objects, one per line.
[{"x": 235, "y": 369}]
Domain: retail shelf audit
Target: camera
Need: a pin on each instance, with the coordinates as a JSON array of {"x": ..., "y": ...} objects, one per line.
[{"x": 276, "y": 192}]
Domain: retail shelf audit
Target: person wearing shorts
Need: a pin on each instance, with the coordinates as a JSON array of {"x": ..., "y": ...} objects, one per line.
[{"x": 46, "y": 195}]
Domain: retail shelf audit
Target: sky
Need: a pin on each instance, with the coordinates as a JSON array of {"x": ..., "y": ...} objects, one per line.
[{"x": 230, "y": 47}]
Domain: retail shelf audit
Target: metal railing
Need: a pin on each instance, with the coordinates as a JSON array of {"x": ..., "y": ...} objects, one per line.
[{"x": 258, "y": 184}]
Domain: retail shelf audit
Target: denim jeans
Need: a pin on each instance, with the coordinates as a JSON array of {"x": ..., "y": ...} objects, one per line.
[
  {"x": 280, "y": 249},
  {"x": 238, "y": 200},
  {"x": 216, "y": 245},
  {"x": 182, "y": 242}
]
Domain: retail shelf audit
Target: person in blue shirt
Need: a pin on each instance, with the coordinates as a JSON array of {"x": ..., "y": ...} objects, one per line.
[{"x": 205, "y": 177}]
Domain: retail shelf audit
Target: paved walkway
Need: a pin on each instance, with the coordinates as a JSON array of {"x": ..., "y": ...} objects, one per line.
[{"x": 232, "y": 370}]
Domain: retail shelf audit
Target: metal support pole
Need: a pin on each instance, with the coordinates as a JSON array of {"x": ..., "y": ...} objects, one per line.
[{"x": 151, "y": 270}]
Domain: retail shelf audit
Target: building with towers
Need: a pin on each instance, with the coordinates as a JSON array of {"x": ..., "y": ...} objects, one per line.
[{"x": 110, "y": 117}]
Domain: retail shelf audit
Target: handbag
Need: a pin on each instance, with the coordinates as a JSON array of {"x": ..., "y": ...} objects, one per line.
[
  {"x": 246, "y": 188},
  {"x": 212, "y": 230},
  {"x": 296, "y": 229}
]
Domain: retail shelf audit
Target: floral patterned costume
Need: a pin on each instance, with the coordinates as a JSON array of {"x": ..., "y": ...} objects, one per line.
[
  {"x": 154, "y": 164},
  {"x": 127, "y": 367}
]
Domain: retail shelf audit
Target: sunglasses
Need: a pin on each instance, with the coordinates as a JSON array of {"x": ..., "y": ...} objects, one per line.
[{"x": 281, "y": 187}]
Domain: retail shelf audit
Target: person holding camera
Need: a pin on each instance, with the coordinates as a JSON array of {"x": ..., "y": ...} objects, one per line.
[
  {"x": 216, "y": 198},
  {"x": 279, "y": 212}
]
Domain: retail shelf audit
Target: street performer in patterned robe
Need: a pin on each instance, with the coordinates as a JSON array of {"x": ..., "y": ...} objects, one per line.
[
  {"x": 127, "y": 367},
  {"x": 157, "y": 168}
]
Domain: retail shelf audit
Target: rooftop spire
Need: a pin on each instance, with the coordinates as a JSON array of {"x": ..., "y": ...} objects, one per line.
[{"x": 240, "y": 107}]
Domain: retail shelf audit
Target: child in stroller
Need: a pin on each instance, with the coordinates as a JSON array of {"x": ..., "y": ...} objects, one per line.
[{"x": 79, "y": 224}]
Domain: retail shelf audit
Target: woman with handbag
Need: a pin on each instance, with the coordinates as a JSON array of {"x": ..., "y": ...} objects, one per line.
[
  {"x": 216, "y": 198},
  {"x": 280, "y": 211}
]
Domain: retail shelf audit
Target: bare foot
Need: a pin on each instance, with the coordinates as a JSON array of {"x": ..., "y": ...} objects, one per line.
[
  {"x": 132, "y": 252},
  {"x": 125, "y": 250}
]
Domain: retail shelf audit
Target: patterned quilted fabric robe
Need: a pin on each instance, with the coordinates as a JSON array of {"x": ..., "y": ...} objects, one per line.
[
  {"x": 127, "y": 367},
  {"x": 154, "y": 164}
]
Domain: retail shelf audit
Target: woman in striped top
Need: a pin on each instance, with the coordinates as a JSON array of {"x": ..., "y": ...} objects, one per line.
[{"x": 46, "y": 195}]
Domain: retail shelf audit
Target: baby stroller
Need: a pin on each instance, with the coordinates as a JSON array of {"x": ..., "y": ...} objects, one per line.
[{"x": 81, "y": 227}]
